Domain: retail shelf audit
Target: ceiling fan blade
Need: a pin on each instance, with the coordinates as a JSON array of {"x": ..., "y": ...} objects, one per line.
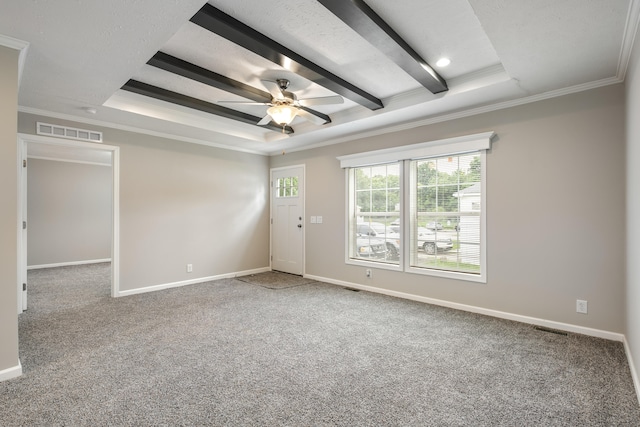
[
  {"x": 244, "y": 103},
  {"x": 312, "y": 118},
  {"x": 265, "y": 120},
  {"x": 325, "y": 100},
  {"x": 273, "y": 88}
]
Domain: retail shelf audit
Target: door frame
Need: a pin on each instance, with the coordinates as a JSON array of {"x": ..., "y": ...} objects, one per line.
[
  {"x": 22, "y": 141},
  {"x": 304, "y": 222}
]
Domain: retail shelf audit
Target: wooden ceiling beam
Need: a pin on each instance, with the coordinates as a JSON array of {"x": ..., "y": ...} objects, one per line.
[
  {"x": 191, "y": 71},
  {"x": 362, "y": 19},
  {"x": 197, "y": 104},
  {"x": 194, "y": 72},
  {"x": 218, "y": 22}
]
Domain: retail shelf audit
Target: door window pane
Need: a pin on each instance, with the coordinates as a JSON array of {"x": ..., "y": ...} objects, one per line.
[{"x": 287, "y": 187}]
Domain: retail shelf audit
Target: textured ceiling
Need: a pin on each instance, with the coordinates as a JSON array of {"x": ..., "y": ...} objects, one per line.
[{"x": 81, "y": 54}]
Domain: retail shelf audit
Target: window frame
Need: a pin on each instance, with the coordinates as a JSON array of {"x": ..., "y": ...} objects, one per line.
[
  {"x": 461, "y": 275},
  {"x": 350, "y": 226},
  {"x": 281, "y": 191},
  {"x": 480, "y": 143}
]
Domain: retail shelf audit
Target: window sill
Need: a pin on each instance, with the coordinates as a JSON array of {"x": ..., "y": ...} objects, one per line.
[
  {"x": 456, "y": 275},
  {"x": 373, "y": 264},
  {"x": 468, "y": 277}
]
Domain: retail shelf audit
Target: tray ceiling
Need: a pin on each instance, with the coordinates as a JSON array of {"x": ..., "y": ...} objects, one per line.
[{"x": 127, "y": 60}]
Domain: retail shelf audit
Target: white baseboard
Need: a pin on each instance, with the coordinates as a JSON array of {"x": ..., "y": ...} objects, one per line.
[
  {"x": 9, "y": 373},
  {"x": 65, "y": 264},
  {"x": 632, "y": 367},
  {"x": 160, "y": 287},
  {"x": 473, "y": 309}
]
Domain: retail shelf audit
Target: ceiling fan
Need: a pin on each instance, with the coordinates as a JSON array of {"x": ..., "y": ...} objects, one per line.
[{"x": 285, "y": 106}]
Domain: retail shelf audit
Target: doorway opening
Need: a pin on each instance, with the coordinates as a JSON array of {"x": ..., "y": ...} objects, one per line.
[{"x": 90, "y": 156}]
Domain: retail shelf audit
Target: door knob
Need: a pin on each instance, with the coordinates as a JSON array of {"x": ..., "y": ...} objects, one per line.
[{"x": 299, "y": 225}]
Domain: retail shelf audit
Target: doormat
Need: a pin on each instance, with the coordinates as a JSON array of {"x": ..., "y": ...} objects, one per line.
[{"x": 275, "y": 280}]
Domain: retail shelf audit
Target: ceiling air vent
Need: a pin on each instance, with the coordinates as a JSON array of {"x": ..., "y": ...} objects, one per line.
[{"x": 67, "y": 132}]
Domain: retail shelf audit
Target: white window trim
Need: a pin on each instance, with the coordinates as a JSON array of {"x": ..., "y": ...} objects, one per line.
[{"x": 453, "y": 146}]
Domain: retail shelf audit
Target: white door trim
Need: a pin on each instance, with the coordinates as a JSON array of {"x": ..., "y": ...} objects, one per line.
[
  {"x": 304, "y": 199},
  {"x": 22, "y": 232},
  {"x": 23, "y": 140}
]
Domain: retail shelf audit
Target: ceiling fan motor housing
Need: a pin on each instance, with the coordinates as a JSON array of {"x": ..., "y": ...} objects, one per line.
[{"x": 283, "y": 84}]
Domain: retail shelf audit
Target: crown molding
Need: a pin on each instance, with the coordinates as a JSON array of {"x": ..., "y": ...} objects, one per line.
[
  {"x": 462, "y": 114},
  {"x": 19, "y": 45},
  {"x": 628, "y": 38},
  {"x": 358, "y": 135},
  {"x": 135, "y": 129}
]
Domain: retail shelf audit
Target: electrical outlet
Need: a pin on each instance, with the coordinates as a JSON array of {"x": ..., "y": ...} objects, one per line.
[
  {"x": 581, "y": 306},
  {"x": 189, "y": 268},
  {"x": 367, "y": 273}
]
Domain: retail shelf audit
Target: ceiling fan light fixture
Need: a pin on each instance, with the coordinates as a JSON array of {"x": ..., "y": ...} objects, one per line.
[{"x": 282, "y": 114}]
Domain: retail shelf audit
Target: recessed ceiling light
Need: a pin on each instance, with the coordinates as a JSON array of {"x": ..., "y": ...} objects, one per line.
[
  {"x": 90, "y": 110},
  {"x": 443, "y": 62}
]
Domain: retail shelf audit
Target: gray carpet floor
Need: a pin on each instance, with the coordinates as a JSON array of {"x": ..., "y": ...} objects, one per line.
[
  {"x": 275, "y": 280},
  {"x": 233, "y": 353}
]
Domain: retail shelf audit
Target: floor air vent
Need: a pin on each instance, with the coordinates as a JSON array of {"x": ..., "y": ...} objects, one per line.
[
  {"x": 67, "y": 132},
  {"x": 552, "y": 331}
]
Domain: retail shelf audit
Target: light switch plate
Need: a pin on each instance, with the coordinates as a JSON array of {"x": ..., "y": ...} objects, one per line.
[
  {"x": 313, "y": 220},
  {"x": 319, "y": 220}
]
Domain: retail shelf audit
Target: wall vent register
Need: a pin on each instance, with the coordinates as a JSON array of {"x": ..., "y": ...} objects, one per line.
[{"x": 68, "y": 132}]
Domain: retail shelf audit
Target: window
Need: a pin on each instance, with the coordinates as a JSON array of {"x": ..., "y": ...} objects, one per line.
[
  {"x": 420, "y": 208},
  {"x": 446, "y": 194},
  {"x": 375, "y": 201},
  {"x": 287, "y": 187}
]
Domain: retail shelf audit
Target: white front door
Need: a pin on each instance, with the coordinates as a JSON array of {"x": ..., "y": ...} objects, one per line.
[{"x": 287, "y": 219}]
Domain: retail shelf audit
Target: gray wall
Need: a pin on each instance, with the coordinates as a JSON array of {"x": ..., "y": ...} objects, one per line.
[
  {"x": 69, "y": 212},
  {"x": 633, "y": 209},
  {"x": 183, "y": 203},
  {"x": 555, "y": 210},
  {"x": 8, "y": 209}
]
